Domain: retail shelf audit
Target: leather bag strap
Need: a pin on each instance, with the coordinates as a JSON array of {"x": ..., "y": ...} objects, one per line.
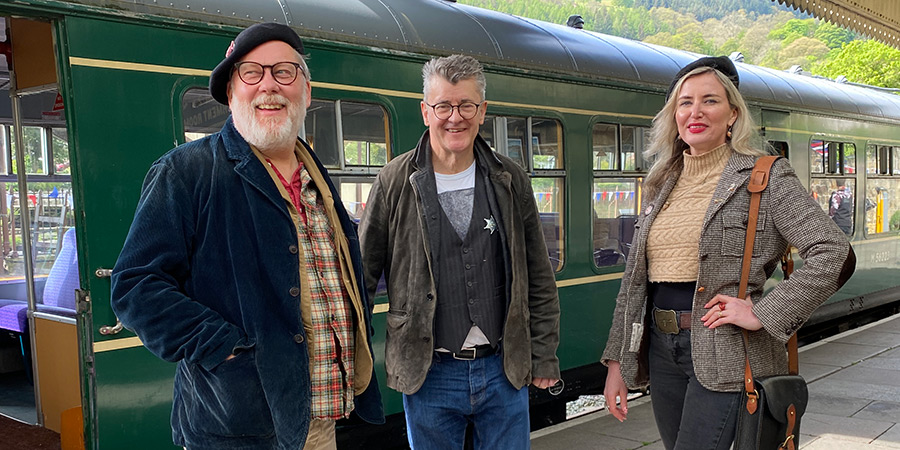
[{"x": 759, "y": 180}]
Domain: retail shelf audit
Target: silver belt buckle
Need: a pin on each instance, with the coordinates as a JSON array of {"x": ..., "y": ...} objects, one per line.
[
  {"x": 463, "y": 355},
  {"x": 666, "y": 321}
]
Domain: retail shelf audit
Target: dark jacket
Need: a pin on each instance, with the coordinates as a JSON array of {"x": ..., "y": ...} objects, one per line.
[
  {"x": 787, "y": 215},
  {"x": 396, "y": 241},
  {"x": 210, "y": 268}
]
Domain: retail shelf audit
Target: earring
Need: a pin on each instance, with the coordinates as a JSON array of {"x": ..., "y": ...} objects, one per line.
[{"x": 728, "y": 133}]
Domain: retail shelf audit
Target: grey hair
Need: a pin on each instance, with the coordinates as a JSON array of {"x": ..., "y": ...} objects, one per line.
[
  {"x": 454, "y": 68},
  {"x": 667, "y": 147}
]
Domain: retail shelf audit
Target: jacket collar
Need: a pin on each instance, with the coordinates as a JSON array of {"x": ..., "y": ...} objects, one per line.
[
  {"x": 734, "y": 177},
  {"x": 236, "y": 147},
  {"x": 485, "y": 157}
]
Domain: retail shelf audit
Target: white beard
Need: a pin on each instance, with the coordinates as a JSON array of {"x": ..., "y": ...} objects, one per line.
[{"x": 268, "y": 133}]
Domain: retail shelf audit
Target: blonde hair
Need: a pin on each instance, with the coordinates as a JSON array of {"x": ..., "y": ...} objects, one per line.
[{"x": 666, "y": 146}]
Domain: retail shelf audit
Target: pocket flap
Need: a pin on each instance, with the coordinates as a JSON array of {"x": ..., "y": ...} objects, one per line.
[{"x": 781, "y": 391}]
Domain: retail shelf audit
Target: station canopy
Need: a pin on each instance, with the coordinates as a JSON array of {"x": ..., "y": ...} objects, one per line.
[{"x": 877, "y": 19}]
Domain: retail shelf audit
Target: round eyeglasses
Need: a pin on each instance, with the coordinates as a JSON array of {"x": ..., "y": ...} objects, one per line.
[
  {"x": 444, "y": 110},
  {"x": 252, "y": 73}
]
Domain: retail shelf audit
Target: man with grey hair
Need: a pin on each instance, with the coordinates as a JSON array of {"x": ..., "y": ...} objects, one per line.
[
  {"x": 474, "y": 312},
  {"x": 243, "y": 266}
]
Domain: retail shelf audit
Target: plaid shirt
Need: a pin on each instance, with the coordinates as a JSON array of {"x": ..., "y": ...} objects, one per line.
[{"x": 333, "y": 339}]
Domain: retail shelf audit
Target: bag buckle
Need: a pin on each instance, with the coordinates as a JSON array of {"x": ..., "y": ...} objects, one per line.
[
  {"x": 666, "y": 320},
  {"x": 784, "y": 445}
]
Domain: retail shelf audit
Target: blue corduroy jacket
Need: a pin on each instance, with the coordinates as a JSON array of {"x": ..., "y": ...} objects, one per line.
[{"x": 210, "y": 268}]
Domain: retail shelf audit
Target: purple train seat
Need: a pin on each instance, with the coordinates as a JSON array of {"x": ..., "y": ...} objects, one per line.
[{"x": 59, "y": 291}]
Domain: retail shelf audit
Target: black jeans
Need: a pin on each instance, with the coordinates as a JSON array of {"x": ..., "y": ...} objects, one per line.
[{"x": 688, "y": 416}]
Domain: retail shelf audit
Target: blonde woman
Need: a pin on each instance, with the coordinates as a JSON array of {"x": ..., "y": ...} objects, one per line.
[{"x": 677, "y": 323}]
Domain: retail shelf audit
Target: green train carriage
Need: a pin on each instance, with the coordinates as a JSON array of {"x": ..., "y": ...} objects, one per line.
[{"x": 573, "y": 107}]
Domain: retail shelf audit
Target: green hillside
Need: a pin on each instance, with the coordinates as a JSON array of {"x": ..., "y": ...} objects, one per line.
[{"x": 766, "y": 33}]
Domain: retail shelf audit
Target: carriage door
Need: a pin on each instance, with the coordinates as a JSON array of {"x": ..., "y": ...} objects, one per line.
[{"x": 39, "y": 366}]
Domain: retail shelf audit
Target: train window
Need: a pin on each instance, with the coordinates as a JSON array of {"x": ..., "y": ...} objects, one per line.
[
  {"x": 872, "y": 151},
  {"x": 365, "y": 134},
  {"x": 516, "y": 130},
  {"x": 615, "y": 198},
  {"x": 548, "y": 194},
  {"x": 605, "y": 146},
  {"x": 895, "y": 161},
  {"x": 780, "y": 147},
  {"x": 35, "y": 142},
  {"x": 487, "y": 131},
  {"x": 882, "y": 205},
  {"x": 634, "y": 140},
  {"x": 836, "y": 197},
  {"x": 614, "y": 206},
  {"x": 201, "y": 115},
  {"x": 548, "y": 182},
  {"x": 507, "y": 135},
  {"x": 832, "y": 157},
  {"x": 60, "y": 148},
  {"x": 546, "y": 141},
  {"x": 882, "y": 201},
  {"x": 321, "y": 131}
]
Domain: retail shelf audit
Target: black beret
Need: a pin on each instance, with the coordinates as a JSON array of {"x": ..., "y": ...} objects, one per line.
[
  {"x": 720, "y": 63},
  {"x": 244, "y": 43}
]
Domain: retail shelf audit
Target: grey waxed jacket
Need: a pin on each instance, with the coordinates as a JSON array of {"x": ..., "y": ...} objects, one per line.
[
  {"x": 395, "y": 241},
  {"x": 788, "y": 215}
]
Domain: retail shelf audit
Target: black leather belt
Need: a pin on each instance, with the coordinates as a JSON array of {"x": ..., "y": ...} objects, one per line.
[
  {"x": 671, "y": 322},
  {"x": 480, "y": 351}
]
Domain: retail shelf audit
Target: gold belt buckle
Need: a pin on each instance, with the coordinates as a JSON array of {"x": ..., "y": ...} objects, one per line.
[{"x": 666, "y": 320}]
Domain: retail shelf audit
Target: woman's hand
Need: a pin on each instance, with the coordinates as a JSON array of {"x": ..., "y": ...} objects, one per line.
[
  {"x": 725, "y": 309},
  {"x": 615, "y": 387}
]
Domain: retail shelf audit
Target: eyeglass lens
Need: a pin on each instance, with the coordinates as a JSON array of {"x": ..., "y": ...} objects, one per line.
[
  {"x": 467, "y": 110},
  {"x": 252, "y": 73}
]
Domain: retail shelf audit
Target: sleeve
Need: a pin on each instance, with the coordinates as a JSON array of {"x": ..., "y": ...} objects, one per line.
[
  {"x": 828, "y": 259},
  {"x": 149, "y": 277},
  {"x": 373, "y": 238},
  {"x": 543, "y": 298}
]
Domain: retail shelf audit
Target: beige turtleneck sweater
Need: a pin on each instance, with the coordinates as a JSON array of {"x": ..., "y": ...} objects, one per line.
[{"x": 674, "y": 240}]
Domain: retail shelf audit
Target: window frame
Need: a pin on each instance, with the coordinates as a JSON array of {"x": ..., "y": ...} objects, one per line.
[
  {"x": 885, "y": 156},
  {"x": 638, "y": 175}
]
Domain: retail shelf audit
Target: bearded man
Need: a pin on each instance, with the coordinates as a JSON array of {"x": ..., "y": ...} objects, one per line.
[{"x": 243, "y": 266}]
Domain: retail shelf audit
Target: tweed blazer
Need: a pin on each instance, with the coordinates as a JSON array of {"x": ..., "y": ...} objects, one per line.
[{"x": 787, "y": 215}]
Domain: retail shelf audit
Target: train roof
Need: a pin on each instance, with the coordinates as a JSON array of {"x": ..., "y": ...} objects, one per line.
[{"x": 444, "y": 27}]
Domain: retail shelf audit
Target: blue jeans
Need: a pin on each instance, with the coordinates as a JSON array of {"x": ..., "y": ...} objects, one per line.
[
  {"x": 689, "y": 416},
  {"x": 456, "y": 393}
]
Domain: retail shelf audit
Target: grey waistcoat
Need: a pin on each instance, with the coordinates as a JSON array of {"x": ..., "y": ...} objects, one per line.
[{"x": 471, "y": 287}]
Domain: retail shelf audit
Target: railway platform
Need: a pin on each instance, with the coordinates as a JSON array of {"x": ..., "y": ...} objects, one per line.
[{"x": 854, "y": 400}]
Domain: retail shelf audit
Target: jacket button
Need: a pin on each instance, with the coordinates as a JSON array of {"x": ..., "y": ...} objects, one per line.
[
  {"x": 295, "y": 291},
  {"x": 293, "y": 249},
  {"x": 703, "y": 257},
  {"x": 429, "y": 296},
  {"x": 426, "y": 339},
  {"x": 298, "y": 338},
  {"x": 701, "y": 289}
]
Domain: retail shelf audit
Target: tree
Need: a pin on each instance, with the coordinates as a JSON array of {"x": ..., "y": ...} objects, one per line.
[
  {"x": 833, "y": 36},
  {"x": 868, "y": 62},
  {"x": 803, "y": 51},
  {"x": 793, "y": 29}
]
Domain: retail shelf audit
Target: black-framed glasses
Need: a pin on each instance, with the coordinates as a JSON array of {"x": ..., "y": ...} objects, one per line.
[
  {"x": 252, "y": 73},
  {"x": 444, "y": 110}
]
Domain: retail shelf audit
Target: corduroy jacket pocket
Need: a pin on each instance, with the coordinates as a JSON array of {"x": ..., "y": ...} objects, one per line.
[{"x": 229, "y": 400}]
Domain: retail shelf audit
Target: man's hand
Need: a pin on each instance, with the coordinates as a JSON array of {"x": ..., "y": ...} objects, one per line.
[{"x": 543, "y": 383}]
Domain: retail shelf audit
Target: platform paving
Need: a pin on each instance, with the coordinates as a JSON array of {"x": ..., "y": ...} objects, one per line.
[{"x": 854, "y": 401}]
